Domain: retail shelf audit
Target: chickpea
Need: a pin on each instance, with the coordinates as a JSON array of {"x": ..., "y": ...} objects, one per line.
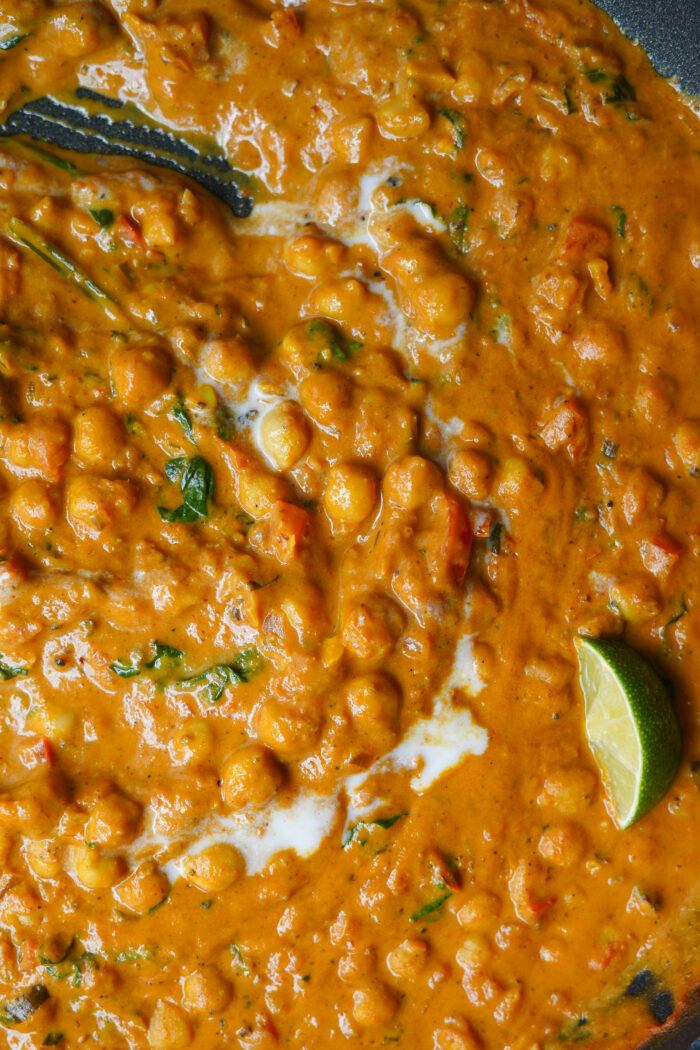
[
  {"x": 43, "y": 858},
  {"x": 351, "y": 493},
  {"x": 285, "y": 435},
  {"x": 159, "y": 226},
  {"x": 402, "y": 120},
  {"x": 40, "y": 448},
  {"x": 636, "y": 597},
  {"x": 192, "y": 742},
  {"x": 114, "y": 821},
  {"x": 479, "y": 911},
  {"x": 144, "y": 889},
  {"x": 517, "y": 484},
  {"x": 139, "y": 375},
  {"x": 410, "y": 482},
  {"x": 563, "y": 845},
  {"x": 569, "y": 790},
  {"x": 32, "y": 507},
  {"x": 372, "y": 626},
  {"x": 250, "y": 777},
  {"x": 471, "y": 472},
  {"x": 373, "y": 1004},
  {"x": 453, "y": 1038},
  {"x": 98, "y": 436},
  {"x": 93, "y": 504},
  {"x": 96, "y": 870},
  {"x": 206, "y": 992},
  {"x": 258, "y": 490},
  {"x": 441, "y": 302},
  {"x": 475, "y": 954},
  {"x": 311, "y": 256},
  {"x": 285, "y": 729},
  {"x": 230, "y": 361},
  {"x": 353, "y": 140},
  {"x": 643, "y": 495},
  {"x": 169, "y": 1028},
  {"x": 305, "y": 610},
  {"x": 686, "y": 441},
  {"x": 408, "y": 959},
  {"x": 215, "y": 869},
  {"x": 373, "y": 701},
  {"x": 325, "y": 395}
]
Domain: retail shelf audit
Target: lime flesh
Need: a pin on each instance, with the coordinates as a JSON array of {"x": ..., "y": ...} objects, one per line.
[{"x": 631, "y": 726}]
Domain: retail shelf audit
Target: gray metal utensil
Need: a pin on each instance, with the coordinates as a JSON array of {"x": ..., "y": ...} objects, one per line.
[{"x": 90, "y": 123}]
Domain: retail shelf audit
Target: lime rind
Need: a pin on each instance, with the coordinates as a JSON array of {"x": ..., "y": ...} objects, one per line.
[{"x": 631, "y": 725}]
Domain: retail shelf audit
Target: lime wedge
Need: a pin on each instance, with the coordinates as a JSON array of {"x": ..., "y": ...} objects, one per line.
[{"x": 631, "y": 725}]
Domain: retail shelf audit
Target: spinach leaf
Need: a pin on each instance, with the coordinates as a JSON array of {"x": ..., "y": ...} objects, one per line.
[
  {"x": 495, "y": 538},
  {"x": 428, "y": 909},
  {"x": 197, "y": 486},
  {"x": 124, "y": 669},
  {"x": 104, "y": 217},
  {"x": 183, "y": 417},
  {"x": 211, "y": 684},
  {"x": 7, "y": 671},
  {"x": 163, "y": 654},
  {"x": 12, "y": 41}
]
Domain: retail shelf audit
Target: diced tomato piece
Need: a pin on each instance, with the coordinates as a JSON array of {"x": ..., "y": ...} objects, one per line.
[
  {"x": 660, "y": 554},
  {"x": 129, "y": 230},
  {"x": 452, "y": 536},
  {"x": 584, "y": 239},
  {"x": 289, "y": 527}
]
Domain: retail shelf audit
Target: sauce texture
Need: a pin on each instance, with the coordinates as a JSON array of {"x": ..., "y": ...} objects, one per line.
[{"x": 302, "y": 513}]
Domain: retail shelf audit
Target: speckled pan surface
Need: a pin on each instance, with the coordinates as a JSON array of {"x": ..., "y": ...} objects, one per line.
[{"x": 670, "y": 32}]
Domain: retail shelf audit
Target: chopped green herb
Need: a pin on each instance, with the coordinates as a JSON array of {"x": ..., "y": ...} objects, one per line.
[
  {"x": 456, "y": 119},
  {"x": 211, "y": 684},
  {"x": 570, "y": 104},
  {"x": 22, "y": 233},
  {"x": 51, "y": 158},
  {"x": 7, "y": 671},
  {"x": 53, "y": 1039},
  {"x": 12, "y": 41},
  {"x": 240, "y": 959},
  {"x": 379, "y": 822},
  {"x": 502, "y": 330},
  {"x": 585, "y": 513},
  {"x": 459, "y": 226},
  {"x": 183, "y": 417},
  {"x": 164, "y": 654},
  {"x": 197, "y": 486},
  {"x": 622, "y": 90},
  {"x": 597, "y": 76},
  {"x": 124, "y": 669},
  {"x": 678, "y": 610},
  {"x": 609, "y": 449},
  {"x": 429, "y": 909},
  {"x": 104, "y": 217},
  {"x": 336, "y": 344},
  {"x": 621, "y": 221},
  {"x": 495, "y": 537}
]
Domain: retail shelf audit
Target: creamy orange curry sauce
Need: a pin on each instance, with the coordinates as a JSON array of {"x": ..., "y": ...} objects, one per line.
[{"x": 302, "y": 513}]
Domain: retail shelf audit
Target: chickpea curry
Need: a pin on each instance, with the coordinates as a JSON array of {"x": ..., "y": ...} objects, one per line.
[{"x": 304, "y": 511}]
